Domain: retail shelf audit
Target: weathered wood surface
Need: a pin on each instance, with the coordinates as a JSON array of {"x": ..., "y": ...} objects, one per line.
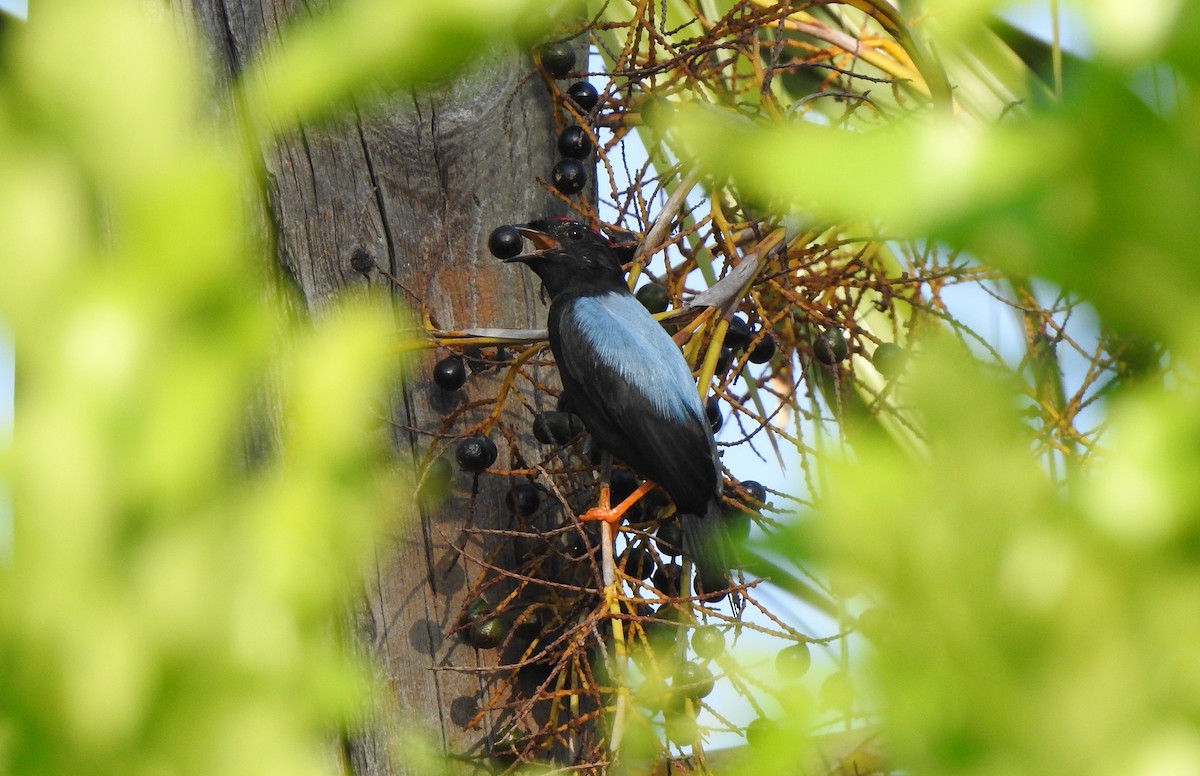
[{"x": 417, "y": 185}]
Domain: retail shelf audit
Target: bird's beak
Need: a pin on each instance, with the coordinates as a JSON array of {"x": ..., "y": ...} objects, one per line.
[{"x": 542, "y": 241}]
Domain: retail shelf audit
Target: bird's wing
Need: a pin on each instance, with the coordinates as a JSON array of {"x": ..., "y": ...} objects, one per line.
[{"x": 628, "y": 382}]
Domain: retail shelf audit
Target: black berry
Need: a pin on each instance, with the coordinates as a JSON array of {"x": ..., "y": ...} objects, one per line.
[
  {"x": 693, "y": 680},
  {"x": 793, "y": 660},
  {"x": 523, "y": 499},
  {"x": 708, "y": 641},
  {"x": 558, "y": 59},
  {"x": 738, "y": 334},
  {"x": 668, "y": 579},
  {"x": 653, "y": 297},
  {"x": 574, "y": 143},
  {"x": 712, "y": 409},
  {"x": 584, "y": 95},
  {"x": 569, "y": 176},
  {"x": 724, "y": 361},
  {"x": 475, "y": 453},
  {"x": 831, "y": 347},
  {"x": 889, "y": 359},
  {"x": 450, "y": 373},
  {"x": 755, "y": 492},
  {"x": 763, "y": 351},
  {"x": 505, "y": 242},
  {"x": 475, "y": 360},
  {"x": 637, "y": 561},
  {"x": 552, "y": 428},
  {"x": 669, "y": 538}
]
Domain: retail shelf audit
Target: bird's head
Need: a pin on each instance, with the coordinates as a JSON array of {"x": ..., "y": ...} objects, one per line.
[{"x": 567, "y": 253}]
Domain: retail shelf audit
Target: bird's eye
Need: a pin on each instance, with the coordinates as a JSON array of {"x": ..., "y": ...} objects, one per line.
[{"x": 575, "y": 233}]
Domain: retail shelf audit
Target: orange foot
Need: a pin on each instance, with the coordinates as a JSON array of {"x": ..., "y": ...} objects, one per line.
[{"x": 612, "y": 515}]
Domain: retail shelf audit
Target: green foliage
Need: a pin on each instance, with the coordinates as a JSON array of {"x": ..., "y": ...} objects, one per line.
[{"x": 194, "y": 481}]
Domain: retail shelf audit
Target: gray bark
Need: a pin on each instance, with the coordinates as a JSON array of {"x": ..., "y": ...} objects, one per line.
[{"x": 416, "y": 184}]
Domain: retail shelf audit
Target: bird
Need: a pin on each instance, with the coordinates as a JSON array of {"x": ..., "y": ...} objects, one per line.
[{"x": 627, "y": 380}]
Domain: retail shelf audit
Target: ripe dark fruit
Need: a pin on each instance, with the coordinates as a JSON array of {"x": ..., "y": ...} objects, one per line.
[
  {"x": 693, "y": 680},
  {"x": 637, "y": 561},
  {"x": 475, "y": 453},
  {"x": 831, "y": 347},
  {"x": 669, "y": 538},
  {"x": 653, "y": 297},
  {"x": 724, "y": 361},
  {"x": 523, "y": 499},
  {"x": 708, "y": 641},
  {"x": 575, "y": 544},
  {"x": 450, "y": 373},
  {"x": 738, "y": 334},
  {"x": 889, "y": 359},
  {"x": 558, "y": 59},
  {"x": 712, "y": 409},
  {"x": 552, "y": 428},
  {"x": 475, "y": 360},
  {"x": 505, "y": 242},
  {"x": 584, "y": 95},
  {"x": 668, "y": 579},
  {"x": 574, "y": 143},
  {"x": 486, "y": 633},
  {"x": 755, "y": 492},
  {"x": 763, "y": 351},
  {"x": 793, "y": 660},
  {"x": 569, "y": 176}
]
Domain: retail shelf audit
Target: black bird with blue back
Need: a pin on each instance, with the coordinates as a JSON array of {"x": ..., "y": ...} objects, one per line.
[{"x": 627, "y": 380}]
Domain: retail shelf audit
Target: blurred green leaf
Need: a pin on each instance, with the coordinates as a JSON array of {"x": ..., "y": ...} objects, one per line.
[
  {"x": 169, "y": 606},
  {"x": 1030, "y": 632}
]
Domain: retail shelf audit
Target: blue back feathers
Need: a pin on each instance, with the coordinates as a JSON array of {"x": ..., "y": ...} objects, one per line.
[{"x": 628, "y": 340}]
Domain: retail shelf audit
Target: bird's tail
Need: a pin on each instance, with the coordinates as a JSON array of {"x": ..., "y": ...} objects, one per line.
[{"x": 707, "y": 544}]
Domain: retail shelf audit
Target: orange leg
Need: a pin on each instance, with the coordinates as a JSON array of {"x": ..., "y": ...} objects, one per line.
[{"x": 612, "y": 515}]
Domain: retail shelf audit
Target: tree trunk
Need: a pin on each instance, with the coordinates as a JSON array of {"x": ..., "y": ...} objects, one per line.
[{"x": 415, "y": 186}]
